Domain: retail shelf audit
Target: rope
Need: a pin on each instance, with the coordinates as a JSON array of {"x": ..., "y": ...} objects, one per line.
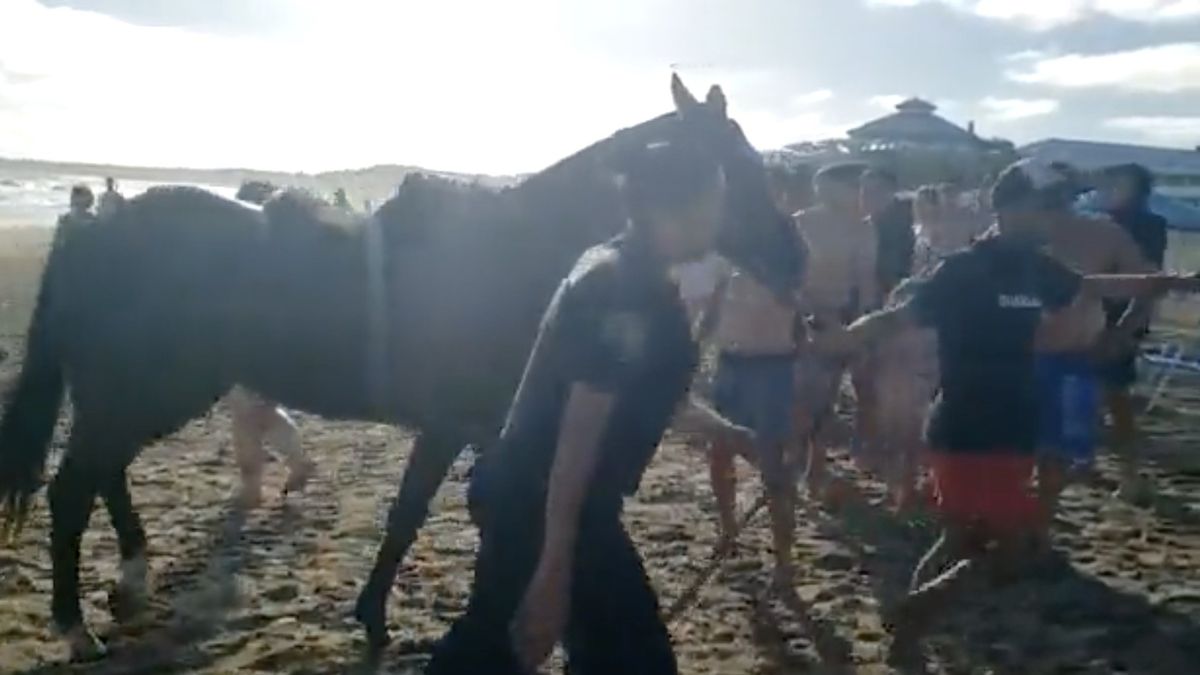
[{"x": 720, "y": 554}]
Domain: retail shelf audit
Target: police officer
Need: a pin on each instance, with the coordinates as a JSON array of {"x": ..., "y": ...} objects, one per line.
[{"x": 607, "y": 374}]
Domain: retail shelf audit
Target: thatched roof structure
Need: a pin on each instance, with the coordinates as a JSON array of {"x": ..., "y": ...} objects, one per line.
[{"x": 914, "y": 123}]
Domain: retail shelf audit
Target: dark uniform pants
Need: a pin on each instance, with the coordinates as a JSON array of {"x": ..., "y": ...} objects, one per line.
[{"x": 614, "y": 626}]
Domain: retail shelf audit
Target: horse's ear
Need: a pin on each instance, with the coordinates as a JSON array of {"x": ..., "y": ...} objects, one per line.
[
  {"x": 716, "y": 100},
  {"x": 684, "y": 101}
]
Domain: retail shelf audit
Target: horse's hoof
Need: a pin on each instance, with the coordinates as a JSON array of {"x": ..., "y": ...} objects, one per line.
[
  {"x": 126, "y": 603},
  {"x": 372, "y": 615},
  {"x": 299, "y": 477},
  {"x": 249, "y": 499},
  {"x": 84, "y": 646}
]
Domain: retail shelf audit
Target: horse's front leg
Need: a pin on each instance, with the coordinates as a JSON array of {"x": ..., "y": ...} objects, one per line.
[
  {"x": 431, "y": 458},
  {"x": 129, "y": 597},
  {"x": 71, "y": 496}
]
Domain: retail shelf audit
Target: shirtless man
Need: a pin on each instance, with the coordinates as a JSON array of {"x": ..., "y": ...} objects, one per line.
[
  {"x": 892, "y": 218},
  {"x": 754, "y": 332},
  {"x": 1068, "y": 341},
  {"x": 841, "y": 282},
  {"x": 1125, "y": 192}
]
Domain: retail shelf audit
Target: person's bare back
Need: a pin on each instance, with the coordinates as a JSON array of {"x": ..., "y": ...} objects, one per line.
[
  {"x": 840, "y": 280},
  {"x": 1089, "y": 245}
]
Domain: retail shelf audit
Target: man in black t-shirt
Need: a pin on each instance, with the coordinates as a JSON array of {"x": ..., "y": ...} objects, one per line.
[
  {"x": 985, "y": 304},
  {"x": 611, "y": 364}
]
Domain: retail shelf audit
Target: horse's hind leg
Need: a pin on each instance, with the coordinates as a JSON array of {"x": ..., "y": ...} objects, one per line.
[
  {"x": 431, "y": 459},
  {"x": 72, "y": 495},
  {"x": 130, "y": 594}
]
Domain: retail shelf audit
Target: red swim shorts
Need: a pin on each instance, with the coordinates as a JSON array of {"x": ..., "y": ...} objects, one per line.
[{"x": 991, "y": 490}]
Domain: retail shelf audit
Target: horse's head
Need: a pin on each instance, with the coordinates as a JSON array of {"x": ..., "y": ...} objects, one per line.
[{"x": 754, "y": 235}]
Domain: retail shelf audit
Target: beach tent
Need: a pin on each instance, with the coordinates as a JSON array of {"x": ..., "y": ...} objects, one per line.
[{"x": 1180, "y": 215}]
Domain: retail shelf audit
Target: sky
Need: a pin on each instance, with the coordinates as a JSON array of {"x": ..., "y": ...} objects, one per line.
[{"x": 509, "y": 86}]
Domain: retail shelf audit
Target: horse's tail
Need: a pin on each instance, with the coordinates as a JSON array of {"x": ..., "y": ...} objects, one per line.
[{"x": 31, "y": 408}]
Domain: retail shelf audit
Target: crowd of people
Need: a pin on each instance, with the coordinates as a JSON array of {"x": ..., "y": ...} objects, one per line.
[{"x": 980, "y": 332}]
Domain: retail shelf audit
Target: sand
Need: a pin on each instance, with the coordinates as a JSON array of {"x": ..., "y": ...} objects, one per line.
[{"x": 269, "y": 591}]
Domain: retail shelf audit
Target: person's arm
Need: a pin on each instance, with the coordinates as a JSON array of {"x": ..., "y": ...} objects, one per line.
[
  {"x": 697, "y": 417},
  {"x": 542, "y": 616},
  {"x": 584, "y": 419},
  {"x": 926, "y": 301},
  {"x": 1126, "y": 286},
  {"x": 866, "y": 331}
]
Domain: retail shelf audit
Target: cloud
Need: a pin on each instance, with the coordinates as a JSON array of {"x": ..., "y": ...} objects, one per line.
[
  {"x": 1169, "y": 68},
  {"x": 1160, "y": 129},
  {"x": 810, "y": 98},
  {"x": 355, "y": 84},
  {"x": 1012, "y": 109},
  {"x": 1047, "y": 14},
  {"x": 886, "y": 102},
  {"x": 769, "y": 129}
]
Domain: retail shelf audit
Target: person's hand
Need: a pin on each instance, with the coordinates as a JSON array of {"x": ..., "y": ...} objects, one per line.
[
  {"x": 737, "y": 438},
  {"x": 1184, "y": 283},
  {"x": 541, "y": 618}
]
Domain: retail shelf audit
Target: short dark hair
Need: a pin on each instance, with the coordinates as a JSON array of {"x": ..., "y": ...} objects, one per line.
[
  {"x": 885, "y": 176},
  {"x": 1014, "y": 187},
  {"x": 1142, "y": 178},
  {"x": 665, "y": 176},
  {"x": 845, "y": 173},
  {"x": 80, "y": 191}
]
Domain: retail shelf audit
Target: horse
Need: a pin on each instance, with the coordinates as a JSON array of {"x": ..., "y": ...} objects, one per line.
[{"x": 421, "y": 316}]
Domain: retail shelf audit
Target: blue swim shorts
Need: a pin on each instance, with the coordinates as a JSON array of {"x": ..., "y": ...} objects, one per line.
[
  {"x": 756, "y": 392},
  {"x": 1068, "y": 407}
]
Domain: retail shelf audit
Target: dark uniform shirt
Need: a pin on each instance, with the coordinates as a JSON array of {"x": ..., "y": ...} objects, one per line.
[
  {"x": 896, "y": 241},
  {"x": 985, "y": 303},
  {"x": 617, "y": 324}
]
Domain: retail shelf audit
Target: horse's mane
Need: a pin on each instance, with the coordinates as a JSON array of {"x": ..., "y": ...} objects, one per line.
[
  {"x": 293, "y": 211},
  {"x": 426, "y": 205}
]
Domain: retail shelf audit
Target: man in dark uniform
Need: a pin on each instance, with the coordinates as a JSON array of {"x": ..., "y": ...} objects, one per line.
[
  {"x": 611, "y": 364},
  {"x": 1126, "y": 190}
]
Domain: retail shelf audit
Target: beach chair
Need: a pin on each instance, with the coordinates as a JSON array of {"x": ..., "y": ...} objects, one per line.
[
  {"x": 1178, "y": 353},
  {"x": 1163, "y": 362}
]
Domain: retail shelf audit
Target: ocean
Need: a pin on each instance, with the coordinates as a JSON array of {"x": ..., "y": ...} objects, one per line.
[{"x": 36, "y": 198}]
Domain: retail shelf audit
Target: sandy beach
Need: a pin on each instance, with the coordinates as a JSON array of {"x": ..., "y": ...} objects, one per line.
[{"x": 269, "y": 591}]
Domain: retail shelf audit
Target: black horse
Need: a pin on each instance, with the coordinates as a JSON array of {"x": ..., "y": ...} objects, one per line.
[{"x": 421, "y": 316}]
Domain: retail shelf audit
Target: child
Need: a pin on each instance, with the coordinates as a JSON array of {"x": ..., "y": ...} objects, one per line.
[{"x": 985, "y": 304}]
